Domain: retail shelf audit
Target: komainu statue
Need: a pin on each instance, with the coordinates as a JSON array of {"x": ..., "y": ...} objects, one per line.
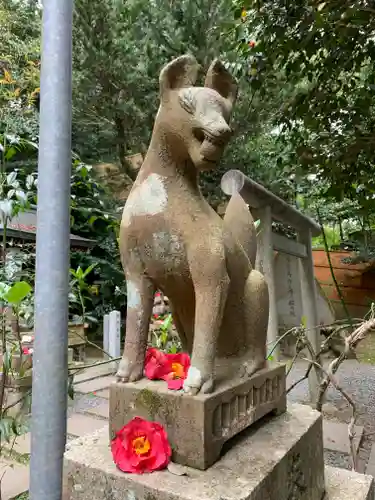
[{"x": 172, "y": 240}]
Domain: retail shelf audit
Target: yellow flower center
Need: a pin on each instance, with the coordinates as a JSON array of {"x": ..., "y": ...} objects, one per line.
[
  {"x": 141, "y": 445},
  {"x": 177, "y": 370}
]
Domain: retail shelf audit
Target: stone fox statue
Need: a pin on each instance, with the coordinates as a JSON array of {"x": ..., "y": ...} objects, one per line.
[{"x": 172, "y": 240}]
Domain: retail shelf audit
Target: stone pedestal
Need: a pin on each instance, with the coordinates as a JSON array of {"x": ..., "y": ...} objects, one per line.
[
  {"x": 280, "y": 458},
  {"x": 198, "y": 426}
]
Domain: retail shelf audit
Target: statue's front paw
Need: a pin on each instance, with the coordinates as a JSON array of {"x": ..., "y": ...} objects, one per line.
[
  {"x": 128, "y": 371},
  {"x": 196, "y": 381},
  {"x": 251, "y": 366}
]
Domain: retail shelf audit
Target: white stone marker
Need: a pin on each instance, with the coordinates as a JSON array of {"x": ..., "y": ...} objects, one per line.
[
  {"x": 106, "y": 332},
  {"x": 114, "y": 342}
]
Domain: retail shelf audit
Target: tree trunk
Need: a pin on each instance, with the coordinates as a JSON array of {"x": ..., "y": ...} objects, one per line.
[{"x": 121, "y": 148}]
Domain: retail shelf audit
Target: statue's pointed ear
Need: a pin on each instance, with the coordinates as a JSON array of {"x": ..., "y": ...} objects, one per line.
[
  {"x": 219, "y": 79},
  {"x": 181, "y": 72}
]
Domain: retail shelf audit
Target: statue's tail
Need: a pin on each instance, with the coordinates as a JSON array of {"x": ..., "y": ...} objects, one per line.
[{"x": 240, "y": 222}]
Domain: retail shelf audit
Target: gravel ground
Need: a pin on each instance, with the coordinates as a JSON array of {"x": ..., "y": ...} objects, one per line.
[{"x": 358, "y": 381}]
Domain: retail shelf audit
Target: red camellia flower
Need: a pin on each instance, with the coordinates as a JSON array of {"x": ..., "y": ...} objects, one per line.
[
  {"x": 156, "y": 364},
  {"x": 252, "y": 44},
  {"x": 141, "y": 446},
  {"x": 178, "y": 366},
  {"x": 172, "y": 368}
]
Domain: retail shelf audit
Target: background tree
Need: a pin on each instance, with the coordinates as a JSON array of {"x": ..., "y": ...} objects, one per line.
[
  {"x": 119, "y": 51},
  {"x": 318, "y": 56}
]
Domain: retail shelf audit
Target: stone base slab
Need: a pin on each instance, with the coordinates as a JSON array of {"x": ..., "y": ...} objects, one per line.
[
  {"x": 198, "y": 426},
  {"x": 342, "y": 484},
  {"x": 280, "y": 458}
]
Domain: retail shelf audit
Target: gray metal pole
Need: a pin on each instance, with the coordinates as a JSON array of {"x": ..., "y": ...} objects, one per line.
[{"x": 48, "y": 429}]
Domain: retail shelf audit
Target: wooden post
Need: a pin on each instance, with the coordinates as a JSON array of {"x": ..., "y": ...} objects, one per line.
[
  {"x": 265, "y": 264},
  {"x": 309, "y": 305}
]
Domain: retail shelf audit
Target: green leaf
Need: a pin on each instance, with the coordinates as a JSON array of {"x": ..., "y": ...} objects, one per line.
[
  {"x": 22, "y": 370},
  {"x": 11, "y": 193},
  {"x": 71, "y": 387},
  {"x": 73, "y": 272},
  {"x": 88, "y": 270},
  {"x": 92, "y": 220},
  {"x": 167, "y": 322},
  {"x": 7, "y": 360},
  {"x": 11, "y": 178},
  {"x": 17, "y": 292},
  {"x": 15, "y": 427},
  {"x": 6, "y": 428},
  {"x": 79, "y": 273},
  {"x": 164, "y": 338},
  {"x": 9, "y": 155},
  {"x": 29, "y": 181},
  {"x": 4, "y": 288}
]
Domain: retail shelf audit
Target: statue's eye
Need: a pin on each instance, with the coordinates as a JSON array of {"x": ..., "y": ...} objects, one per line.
[{"x": 187, "y": 102}]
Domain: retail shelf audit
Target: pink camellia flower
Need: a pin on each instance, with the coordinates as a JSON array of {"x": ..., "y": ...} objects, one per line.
[
  {"x": 156, "y": 364},
  {"x": 172, "y": 368},
  {"x": 179, "y": 366}
]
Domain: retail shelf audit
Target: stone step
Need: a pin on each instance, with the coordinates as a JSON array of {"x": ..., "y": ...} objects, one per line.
[
  {"x": 370, "y": 469},
  {"x": 22, "y": 444},
  {"x": 100, "y": 411},
  {"x": 103, "y": 394},
  {"x": 80, "y": 425},
  {"x": 342, "y": 484},
  {"x": 335, "y": 436},
  {"x": 94, "y": 385},
  {"x": 255, "y": 467},
  {"x": 96, "y": 371},
  {"x": 15, "y": 479}
]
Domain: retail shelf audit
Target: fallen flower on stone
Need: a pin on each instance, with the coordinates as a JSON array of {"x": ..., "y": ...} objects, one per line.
[
  {"x": 141, "y": 446},
  {"x": 172, "y": 368},
  {"x": 179, "y": 366},
  {"x": 156, "y": 364}
]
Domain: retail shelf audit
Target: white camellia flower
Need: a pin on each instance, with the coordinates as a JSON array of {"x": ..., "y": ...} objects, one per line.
[{"x": 6, "y": 208}]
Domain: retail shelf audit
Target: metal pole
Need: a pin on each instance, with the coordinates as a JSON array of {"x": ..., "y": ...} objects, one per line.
[{"x": 49, "y": 397}]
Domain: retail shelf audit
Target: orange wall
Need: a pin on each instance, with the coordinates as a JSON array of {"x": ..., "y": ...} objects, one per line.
[{"x": 356, "y": 281}]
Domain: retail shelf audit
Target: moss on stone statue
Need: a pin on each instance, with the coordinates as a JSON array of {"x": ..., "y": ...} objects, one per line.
[
  {"x": 150, "y": 401},
  {"x": 155, "y": 405},
  {"x": 150, "y": 496}
]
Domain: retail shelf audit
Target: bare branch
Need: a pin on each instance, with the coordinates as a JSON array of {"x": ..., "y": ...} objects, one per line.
[{"x": 351, "y": 433}]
